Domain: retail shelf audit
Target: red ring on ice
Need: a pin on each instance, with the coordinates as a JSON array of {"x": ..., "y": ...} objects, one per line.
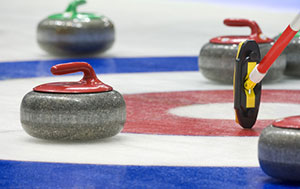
[{"x": 148, "y": 113}]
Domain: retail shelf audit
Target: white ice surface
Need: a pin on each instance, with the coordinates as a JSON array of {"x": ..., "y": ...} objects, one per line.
[
  {"x": 268, "y": 111},
  {"x": 143, "y": 27},
  {"x": 132, "y": 149}
]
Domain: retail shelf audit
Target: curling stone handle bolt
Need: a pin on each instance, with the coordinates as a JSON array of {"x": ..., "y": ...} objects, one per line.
[
  {"x": 255, "y": 29},
  {"x": 67, "y": 68}
]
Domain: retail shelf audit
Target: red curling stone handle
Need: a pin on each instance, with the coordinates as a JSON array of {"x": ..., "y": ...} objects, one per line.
[
  {"x": 88, "y": 84},
  {"x": 67, "y": 68},
  {"x": 256, "y": 33},
  {"x": 255, "y": 29}
]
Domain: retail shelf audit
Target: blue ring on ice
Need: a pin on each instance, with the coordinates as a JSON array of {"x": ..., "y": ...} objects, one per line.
[
  {"x": 20, "y": 174},
  {"x": 41, "y": 68}
]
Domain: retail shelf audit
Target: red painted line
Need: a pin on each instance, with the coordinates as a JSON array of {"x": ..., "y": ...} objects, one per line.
[{"x": 148, "y": 113}]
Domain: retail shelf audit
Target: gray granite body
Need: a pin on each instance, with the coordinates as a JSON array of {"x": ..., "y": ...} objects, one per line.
[
  {"x": 85, "y": 116},
  {"x": 279, "y": 152},
  {"x": 216, "y": 62},
  {"x": 69, "y": 37},
  {"x": 292, "y": 52}
]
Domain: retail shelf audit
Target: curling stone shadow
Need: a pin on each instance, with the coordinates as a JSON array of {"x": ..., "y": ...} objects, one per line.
[
  {"x": 10, "y": 131},
  {"x": 115, "y": 139},
  {"x": 248, "y": 132},
  {"x": 272, "y": 182},
  {"x": 80, "y": 56}
]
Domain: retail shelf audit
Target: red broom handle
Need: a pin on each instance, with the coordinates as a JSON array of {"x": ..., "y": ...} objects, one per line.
[{"x": 279, "y": 45}]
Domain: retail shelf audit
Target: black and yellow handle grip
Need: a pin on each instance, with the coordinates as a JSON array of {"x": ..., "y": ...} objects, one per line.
[{"x": 246, "y": 102}]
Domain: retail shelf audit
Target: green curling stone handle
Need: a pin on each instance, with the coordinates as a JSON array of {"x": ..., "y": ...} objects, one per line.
[
  {"x": 72, "y": 8},
  {"x": 71, "y": 12}
]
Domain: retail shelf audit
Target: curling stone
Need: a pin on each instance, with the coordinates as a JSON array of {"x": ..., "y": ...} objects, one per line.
[
  {"x": 279, "y": 149},
  {"x": 74, "y": 33},
  {"x": 292, "y": 53},
  {"x": 83, "y": 110},
  {"x": 217, "y": 58}
]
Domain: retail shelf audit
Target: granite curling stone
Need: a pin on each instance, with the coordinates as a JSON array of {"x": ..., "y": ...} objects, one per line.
[
  {"x": 83, "y": 110},
  {"x": 279, "y": 149},
  {"x": 74, "y": 33},
  {"x": 217, "y": 58},
  {"x": 292, "y": 53}
]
